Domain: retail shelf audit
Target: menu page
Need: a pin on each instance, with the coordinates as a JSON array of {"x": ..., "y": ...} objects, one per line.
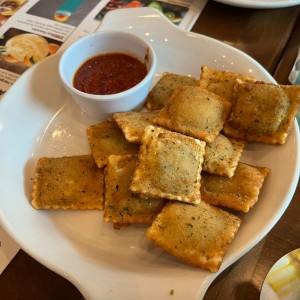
[{"x": 31, "y": 30}]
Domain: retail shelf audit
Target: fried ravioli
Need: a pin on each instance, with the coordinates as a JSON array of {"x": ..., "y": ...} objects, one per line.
[
  {"x": 133, "y": 123},
  {"x": 239, "y": 192},
  {"x": 169, "y": 166},
  {"x": 122, "y": 207},
  {"x": 200, "y": 235},
  {"x": 68, "y": 183},
  {"x": 221, "y": 82},
  {"x": 165, "y": 87},
  {"x": 105, "y": 139},
  {"x": 222, "y": 155},
  {"x": 262, "y": 112},
  {"x": 195, "y": 112}
]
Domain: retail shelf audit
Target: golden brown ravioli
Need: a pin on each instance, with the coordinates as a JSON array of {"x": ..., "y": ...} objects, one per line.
[
  {"x": 239, "y": 192},
  {"x": 68, "y": 183},
  {"x": 221, "y": 82},
  {"x": 200, "y": 235},
  {"x": 222, "y": 155},
  {"x": 122, "y": 207},
  {"x": 105, "y": 139},
  {"x": 165, "y": 87},
  {"x": 169, "y": 166},
  {"x": 195, "y": 112},
  {"x": 262, "y": 112},
  {"x": 133, "y": 123}
]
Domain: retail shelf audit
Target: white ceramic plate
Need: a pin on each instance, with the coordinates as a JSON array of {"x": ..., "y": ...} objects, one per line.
[
  {"x": 260, "y": 4},
  {"x": 37, "y": 117}
]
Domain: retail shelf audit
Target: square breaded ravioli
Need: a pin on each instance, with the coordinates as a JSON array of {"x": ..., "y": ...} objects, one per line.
[
  {"x": 121, "y": 205},
  {"x": 105, "y": 139},
  {"x": 200, "y": 235},
  {"x": 221, "y": 82},
  {"x": 195, "y": 112},
  {"x": 262, "y": 112},
  {"x": 222, "y": 155},
  {"x": 134, "y": 123},
  {"x": 73, "y": 182},
  {"x": 165, "y": 87},
  {"x": 240, "y": 192},
  {"x": 169, "y": 166}
]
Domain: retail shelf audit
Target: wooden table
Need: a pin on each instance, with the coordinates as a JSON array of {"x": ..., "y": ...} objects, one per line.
[{"x": 270, "y": 36}]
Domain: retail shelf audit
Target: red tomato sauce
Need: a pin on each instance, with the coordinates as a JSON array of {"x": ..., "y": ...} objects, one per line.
[{"x": 109, "y": 73}]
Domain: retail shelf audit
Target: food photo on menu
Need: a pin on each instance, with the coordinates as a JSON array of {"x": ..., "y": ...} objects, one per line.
[
  {"x": 173, "y": 12},
  {"x": 9, "y": 8},
  {"x": 71, "y": 12},
  {"x": 20, "y": 50}
]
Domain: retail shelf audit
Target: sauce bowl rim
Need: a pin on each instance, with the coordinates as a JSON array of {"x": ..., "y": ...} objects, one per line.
[{"x": 110, "y": 97}]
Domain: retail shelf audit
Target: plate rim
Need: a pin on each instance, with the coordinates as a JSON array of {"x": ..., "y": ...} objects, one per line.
[{"x": 260, "y": 4}]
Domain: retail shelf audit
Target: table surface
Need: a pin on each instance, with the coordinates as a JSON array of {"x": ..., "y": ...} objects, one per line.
[{"x": 272, "y": 37}]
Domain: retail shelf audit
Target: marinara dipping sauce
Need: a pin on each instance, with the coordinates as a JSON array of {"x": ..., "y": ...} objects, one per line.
[{"x": 109, "y": 73}]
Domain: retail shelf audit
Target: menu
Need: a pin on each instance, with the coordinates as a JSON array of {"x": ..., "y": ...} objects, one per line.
[{"x": 31, "y": 30}]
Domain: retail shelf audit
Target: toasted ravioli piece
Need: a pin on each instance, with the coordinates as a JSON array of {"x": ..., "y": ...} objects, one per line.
[
  {"x": 165, "y": 87},
  {"x": 107, "y": 138},
  {"x": 133, "y": 123},
  {"x": 222, "y": 155},
  {"x": 68, "y": 183},
  {"x": 262, "y": 112},
  {"x": 195, "y": 112},
  {"x": 200, "y": 235},
  {"x": 122, "y": 207},
  {"x": 169, "y": 166},
  {"x": 239, "y": 192},
  {"x": 221, "y": 82}
]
